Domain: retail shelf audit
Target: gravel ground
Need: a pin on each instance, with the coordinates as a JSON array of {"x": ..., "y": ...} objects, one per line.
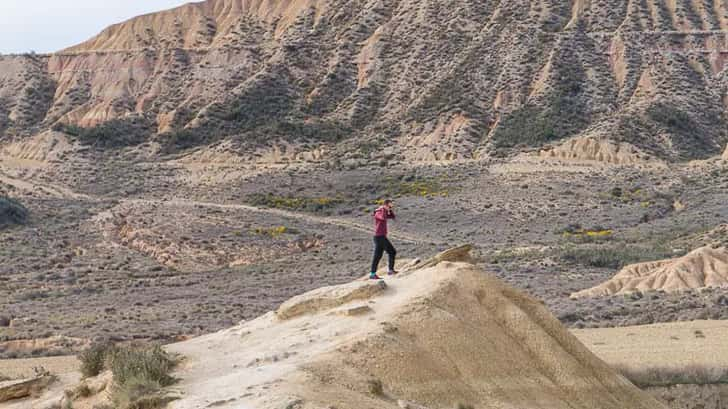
[{"x": 159, "y": 251}]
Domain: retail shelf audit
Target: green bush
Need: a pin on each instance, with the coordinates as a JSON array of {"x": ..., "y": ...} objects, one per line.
[
  {"x": 311, "y": 204},
  {"x": 423, "y": 187},
  {"x": 140, "y": 373},
  {"x": 151, "y": 364},
  {"x": 93, "y": 359},
  {"x": 139, "y": 393}
]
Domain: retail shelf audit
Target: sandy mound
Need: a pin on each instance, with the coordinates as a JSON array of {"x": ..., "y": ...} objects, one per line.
[
  {"x": 704, "y": 267},
  {"x": 440, "y": 334},
  {"x": 589, "y": 149}
]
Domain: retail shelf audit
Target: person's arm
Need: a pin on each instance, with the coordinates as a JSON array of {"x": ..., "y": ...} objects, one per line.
[{"x": 390, "y": 214}]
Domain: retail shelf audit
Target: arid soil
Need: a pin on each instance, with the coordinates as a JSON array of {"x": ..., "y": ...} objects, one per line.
[{"x": 118, "y": 247}]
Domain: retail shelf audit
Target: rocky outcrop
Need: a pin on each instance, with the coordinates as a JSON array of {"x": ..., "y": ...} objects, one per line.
[
  {"x": 431, "y": 80},
  {"x": 704, "y": 267},
  {"x": 441, "y": 335},
  {"x": 327, "y": 298}
]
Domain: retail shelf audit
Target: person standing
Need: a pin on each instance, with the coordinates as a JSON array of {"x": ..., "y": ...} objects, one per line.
[{"x": 381, "y": 242}]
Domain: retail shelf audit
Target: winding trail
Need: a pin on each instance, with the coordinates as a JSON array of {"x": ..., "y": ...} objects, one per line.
[
  {"x": 347, "y": 224},
  {"x": 57, "y": 191}
]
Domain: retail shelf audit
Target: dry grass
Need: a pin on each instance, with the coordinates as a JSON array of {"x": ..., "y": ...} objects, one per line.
[
  {"x": 666, "y": 376},
  {"x": 140, "y": 373}
]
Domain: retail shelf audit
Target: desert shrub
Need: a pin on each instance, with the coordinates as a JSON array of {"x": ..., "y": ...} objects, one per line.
[
  {"x": 646, "y": 376},
  {"x": 529, "y": 126},
  {"x": 11, "y": 212},
  {"x": 310, "y": 204},
  {"x": 686, "y": 130},
  {"x": 422, "y": 187},
  {"x": 558, "y": 116},
  {"x": 375, "y": 387},
  {"x": 139, "y": 393},
  {"x": 141, "y": 363},
  {"x": 577, "y": 233},
  {"x": 140, "y": 373},
  {"x": 93, "y": 359},
  {"x": 427, "y": 187},
  {"x": 275, "y": 231},
  {"x": 181, "y": 139}
]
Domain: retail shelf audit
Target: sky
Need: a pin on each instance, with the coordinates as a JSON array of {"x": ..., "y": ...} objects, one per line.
[{"x": 51, "y": 25}]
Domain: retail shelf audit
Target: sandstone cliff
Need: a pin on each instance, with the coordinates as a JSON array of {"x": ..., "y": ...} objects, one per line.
[{"x": 436, "y": 79}]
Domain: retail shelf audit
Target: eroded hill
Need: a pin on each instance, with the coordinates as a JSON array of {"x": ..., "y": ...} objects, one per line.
[{"x": 431, "y": 79}]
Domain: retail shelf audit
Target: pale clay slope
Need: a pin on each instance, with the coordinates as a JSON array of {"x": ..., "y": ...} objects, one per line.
[
  {"x": 594, "y": 149},
  {"x": 442, "y": 334},
  {"x": 704, "y": 267}
]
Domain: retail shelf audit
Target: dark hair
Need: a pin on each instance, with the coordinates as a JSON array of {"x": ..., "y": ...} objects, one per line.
[{"x": 388, "y": 201}]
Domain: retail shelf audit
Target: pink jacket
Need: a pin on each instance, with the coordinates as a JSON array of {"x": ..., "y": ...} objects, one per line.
[{"x": 380, "y": 221}]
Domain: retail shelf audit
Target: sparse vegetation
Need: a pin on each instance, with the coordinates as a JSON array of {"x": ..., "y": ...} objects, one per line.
[
  {"x": 275, "y": 231},
  {"x": 94, "y": 358},
  {"x": 575, "y": 232},
  {"x": 11, "y": 212},
  {"x": 647, "y": 376},
  {"x": 115, "y": 133},
  {"x": 413, "y": 186},
  {"x": 140, "y": 373},
  {"x": 310, "y": 204},
  {"x": 375, "y": 387},
  {"x": 613, "y": 256}
]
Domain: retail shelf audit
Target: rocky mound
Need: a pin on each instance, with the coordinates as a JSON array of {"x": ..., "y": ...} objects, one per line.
[
  {"x": 704, "y": 267},
  {"x": 439, "y": 335},
  {"x": 725, "y": 153},
  {"x": 436, "y": 80}
]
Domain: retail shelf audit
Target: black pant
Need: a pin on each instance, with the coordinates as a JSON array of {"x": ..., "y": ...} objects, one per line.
[{"x": 382, "y": 244}]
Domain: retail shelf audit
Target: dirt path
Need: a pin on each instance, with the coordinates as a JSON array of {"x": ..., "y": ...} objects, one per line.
[
  {"x": 63, "y": 192},
  {"x": 283, "y": 213}
]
